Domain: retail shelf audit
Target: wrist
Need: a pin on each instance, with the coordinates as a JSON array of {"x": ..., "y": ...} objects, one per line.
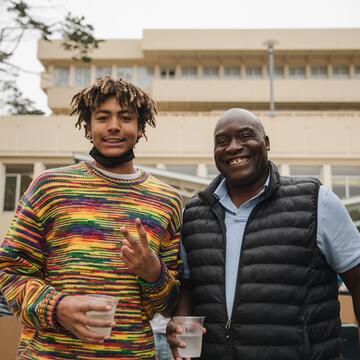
[
  {"x": 155, "y": 279},
  {"x": 155, "y": 273}
]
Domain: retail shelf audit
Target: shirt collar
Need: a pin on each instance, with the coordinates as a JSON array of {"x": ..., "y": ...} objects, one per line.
[{"x": 221, "y": 193}]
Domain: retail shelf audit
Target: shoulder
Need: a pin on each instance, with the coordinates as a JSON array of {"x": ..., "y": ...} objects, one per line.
[
  {"x": 54, "y": 177},
  {"x": 293, "y": 180},
  {"x": 160, "y": 189}
]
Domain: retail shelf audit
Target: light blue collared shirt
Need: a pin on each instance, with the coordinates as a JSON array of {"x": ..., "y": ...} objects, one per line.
[{"x": 337, "y": 237}]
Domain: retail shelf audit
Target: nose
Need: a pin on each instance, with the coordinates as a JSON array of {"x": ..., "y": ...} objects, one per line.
[
  {"x": 113, "y": 124},
  {"x": 234, "y": 146}
]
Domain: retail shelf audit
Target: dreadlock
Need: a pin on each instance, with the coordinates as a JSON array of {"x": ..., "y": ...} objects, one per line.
[{"x": 89, "y": 99}]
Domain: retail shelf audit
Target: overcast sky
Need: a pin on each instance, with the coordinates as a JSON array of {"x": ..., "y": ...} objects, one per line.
[{"x": 127, "y": 19}]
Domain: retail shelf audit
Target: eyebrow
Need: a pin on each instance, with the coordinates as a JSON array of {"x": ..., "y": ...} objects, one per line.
[{"x": 125, "y": 111}]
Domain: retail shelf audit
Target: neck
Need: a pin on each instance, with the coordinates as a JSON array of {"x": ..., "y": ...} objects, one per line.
[
  {"x": 124, "y": 168},
  {"x": 240, "y": 194}
]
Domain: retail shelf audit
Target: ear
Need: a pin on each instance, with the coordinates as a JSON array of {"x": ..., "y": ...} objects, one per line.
[
  {"x": 267, "y": 142},
  {"x": 139, "y": 134},
  {"x": 88, "y": 131}
]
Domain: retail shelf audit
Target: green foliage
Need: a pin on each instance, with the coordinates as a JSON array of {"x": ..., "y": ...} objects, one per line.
[{"x": 78, "y": 38}]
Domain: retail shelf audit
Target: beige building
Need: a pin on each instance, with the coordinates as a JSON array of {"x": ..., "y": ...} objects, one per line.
[{"x": 194, "y": 75}]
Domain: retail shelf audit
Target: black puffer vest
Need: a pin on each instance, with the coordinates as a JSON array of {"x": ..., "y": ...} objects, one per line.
[{"x": 285, "y": 305}]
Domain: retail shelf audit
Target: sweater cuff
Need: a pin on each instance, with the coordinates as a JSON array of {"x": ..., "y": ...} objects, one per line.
[
  {"x": 49, "y": 313},
  {"x": 156, "y": 286}
]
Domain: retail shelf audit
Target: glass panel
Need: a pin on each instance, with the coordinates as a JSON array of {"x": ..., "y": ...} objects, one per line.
[
  {"x": 306, "y": 171},
  {"x": 297, "y": 72},
  {"x": 211, "y": 71},
  {"x": 145, "y": 76},
  {"x": 354, "y": 186},
  {"x": 354, "y": 211},
  {"x": 18, "y": 179},
  {"x": 125, "y": 72},
  {"x": 357, "y": 71},
  {"x": 19, "y": 168},
  {"x": 346, "y": 170},
  {"x": 232, "y": 71},
  {"x": 82, "y": 76},
  {"x": 319, "y": 71},
  {"x": 279, "y": 71},
  {"x": 167, "y": 72},
  {"x": 25, "y": 182},
  {"x": 341, "y": 71},
  {"x": 189, "y": 71},
  {"x": 61, "y": 76},
  {"x": 10, "y": 193},
  {"x": 254, "y": 72},
  {"x": 183, "y": 169},
  {"x": 339, "y": 187},
  {"x": 102, "y": 71}
]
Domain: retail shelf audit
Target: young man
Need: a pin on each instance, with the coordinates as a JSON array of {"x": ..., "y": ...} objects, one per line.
[
  {"x": 263, "y": 251},
  {"x": 100, "y": 227}
]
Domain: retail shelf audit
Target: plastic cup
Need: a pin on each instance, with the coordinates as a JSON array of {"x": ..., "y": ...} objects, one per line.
[
  {"x": 103, "y": 315},
  {"x": 192, "y": 334}
]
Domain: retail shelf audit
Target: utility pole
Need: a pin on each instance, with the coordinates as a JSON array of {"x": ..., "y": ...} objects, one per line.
[{"x": 270, "y": 44}]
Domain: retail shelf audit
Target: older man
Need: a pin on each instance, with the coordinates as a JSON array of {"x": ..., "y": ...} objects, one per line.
[{"x": 263, "y": 252}]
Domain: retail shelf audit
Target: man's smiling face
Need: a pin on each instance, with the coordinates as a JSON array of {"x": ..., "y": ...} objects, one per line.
[{"x": 240, "y": 148}]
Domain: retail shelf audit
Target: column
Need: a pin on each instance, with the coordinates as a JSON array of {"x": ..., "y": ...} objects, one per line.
[
  {"x": 201, "y": 171},
  {"x": 284, "y": 170},
  {"x": 2, "y": 186},
  {"x": 39, "y": 167},
  {"x": 327, "y": 175}
]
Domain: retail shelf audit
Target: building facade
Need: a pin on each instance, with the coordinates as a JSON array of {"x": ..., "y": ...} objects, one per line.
[{"x": 194, "y": 75}]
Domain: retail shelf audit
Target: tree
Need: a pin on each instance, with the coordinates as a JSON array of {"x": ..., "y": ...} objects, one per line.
[{"x": 20, "y": 19}]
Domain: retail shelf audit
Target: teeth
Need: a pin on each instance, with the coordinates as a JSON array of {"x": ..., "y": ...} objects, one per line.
[{"x": 238, "y": 161}]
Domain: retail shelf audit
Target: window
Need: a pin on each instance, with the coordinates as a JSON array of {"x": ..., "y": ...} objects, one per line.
[
  {"x": 211, "y": 72},
  {"x": 297, "y": 72},
  {"x": 346, "y": 181},
  {"x": 306, "y": 171},
  {"x": 61, "y": 76},
  {"x": 82, "y": 76},
  {"x": 167, "y": 72},
  {"x": 357, "y": 71},
  {"x": 254, "y": 72},
  {"x": 145, "y": 76},
  {"x": 319, "y": 71},
  {"x": 102, "y": 71},
  {"x": 232, "y": 72},
  {"x": 279, "y": 71},
  {"x": 17, "y": 179},
  {"x": 189, "y": 71},
  {"x": 341, "y": 71},
  {"x": 125, "y": 72}
]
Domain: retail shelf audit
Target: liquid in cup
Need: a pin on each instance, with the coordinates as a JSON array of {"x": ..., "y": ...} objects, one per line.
[
  {"x": 103, "y": 315},
  {"x": 192, "y": 334}
]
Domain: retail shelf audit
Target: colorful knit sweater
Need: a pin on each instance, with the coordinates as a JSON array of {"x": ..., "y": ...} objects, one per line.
[{"x": 65, "y": 239}]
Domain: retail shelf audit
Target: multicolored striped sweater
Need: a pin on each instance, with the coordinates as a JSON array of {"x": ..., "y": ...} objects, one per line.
[{"x": 65, "y": 239}]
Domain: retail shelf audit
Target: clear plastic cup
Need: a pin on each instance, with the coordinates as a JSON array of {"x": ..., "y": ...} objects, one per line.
[
  {"x": 192, "y": 334},
  {"x": 103, "y": 315}
]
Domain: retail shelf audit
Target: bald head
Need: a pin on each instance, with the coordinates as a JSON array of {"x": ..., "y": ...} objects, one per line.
[{"x": 238, "y": 114}]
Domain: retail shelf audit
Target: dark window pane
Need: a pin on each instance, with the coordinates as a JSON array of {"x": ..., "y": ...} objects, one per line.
[{"x": 10, "y": 193}]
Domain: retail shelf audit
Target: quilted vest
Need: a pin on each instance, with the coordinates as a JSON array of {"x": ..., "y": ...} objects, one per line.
[{"x": 285, "y": 305}]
